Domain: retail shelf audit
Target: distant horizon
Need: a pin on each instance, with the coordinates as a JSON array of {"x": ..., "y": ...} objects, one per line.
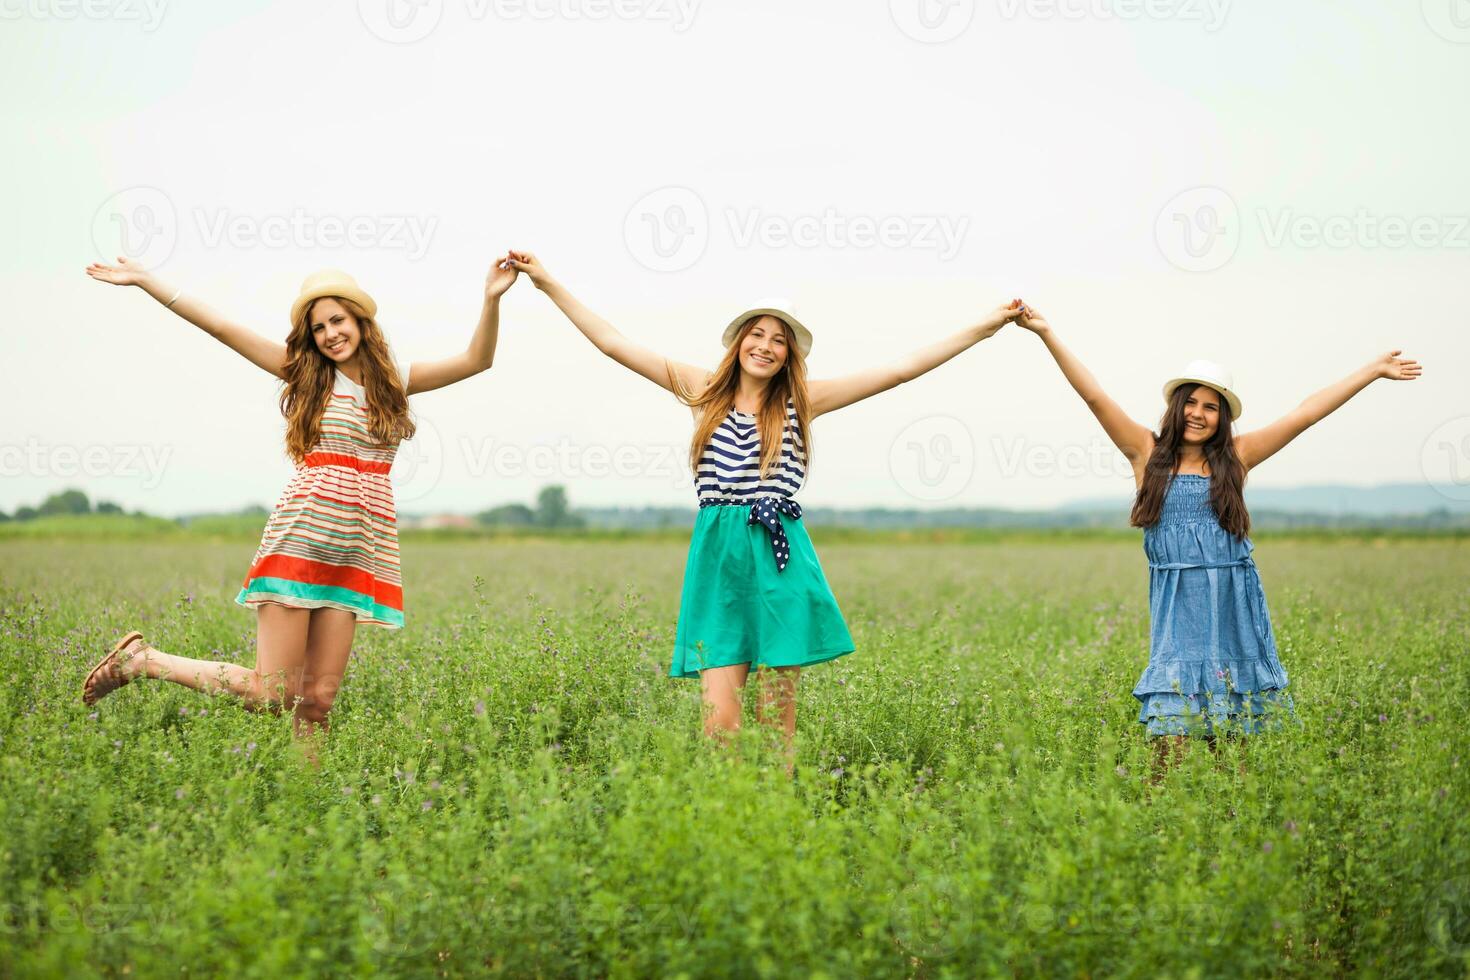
[{"x": 1428, "y": 498}]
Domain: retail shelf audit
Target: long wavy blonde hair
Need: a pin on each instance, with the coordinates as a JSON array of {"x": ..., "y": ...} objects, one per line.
[
  {"x": 718, "y": 397},
  {"x": 310, "y": 374}
]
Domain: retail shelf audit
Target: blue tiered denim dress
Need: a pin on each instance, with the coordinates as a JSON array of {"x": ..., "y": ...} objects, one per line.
[{"x": 1212, "y": 657}]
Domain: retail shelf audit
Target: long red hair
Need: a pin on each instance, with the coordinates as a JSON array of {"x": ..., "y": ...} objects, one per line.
[
  {"x": 718, "y": 397},
  {"x": 309, "y": 376}
]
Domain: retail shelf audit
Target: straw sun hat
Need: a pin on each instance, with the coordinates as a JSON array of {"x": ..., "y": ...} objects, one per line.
[
  {"x": 331, "y": 282},
  {"x": 1211, "y": 374}
]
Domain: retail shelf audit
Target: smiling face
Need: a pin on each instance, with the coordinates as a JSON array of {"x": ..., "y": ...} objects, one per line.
[
  {"x": 1201, "y": 415},
  {"x": 763, "y": 348},
  {"x": 334, "y": 330}
]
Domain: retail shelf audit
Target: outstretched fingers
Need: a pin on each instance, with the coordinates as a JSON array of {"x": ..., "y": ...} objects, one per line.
[
  {"x": 1402, "y": 368},
  {"x": 123, "y": 274}
]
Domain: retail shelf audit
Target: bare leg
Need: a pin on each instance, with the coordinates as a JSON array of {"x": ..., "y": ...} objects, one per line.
[
  {"x": 1168, "y": 752},
  {"x": 1239, "y": 741},
  {"x": 720, "y": 688},
  {"x": 328, "y": 648},
  {"x": 777, "y": 706},
  {"x": 280, "y": 654}
]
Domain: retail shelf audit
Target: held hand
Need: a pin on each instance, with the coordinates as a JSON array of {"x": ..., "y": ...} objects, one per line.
[
  {"x": 1032, "y": 320},
  {"x": 1396, "y": 368},
  {"x": 125, "y": 273},
  {"x": 1003, "y": 315},
  {"x": 499, "y": 278},
  {"x": 531, "y": 266}
]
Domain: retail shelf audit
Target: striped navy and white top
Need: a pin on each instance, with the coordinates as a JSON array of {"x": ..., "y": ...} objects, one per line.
[{"x": 730, "y": 468}]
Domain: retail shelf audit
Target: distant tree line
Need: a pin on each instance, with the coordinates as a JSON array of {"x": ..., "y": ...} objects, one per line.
[
  {"x": 65, "y": 502},
  {"x": 551, "y": 511}
]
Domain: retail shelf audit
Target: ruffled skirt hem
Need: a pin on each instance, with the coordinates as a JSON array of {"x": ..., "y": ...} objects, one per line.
[
  {"x": 1218, "y": 677},
  {"x": 1211, "y": 713}
]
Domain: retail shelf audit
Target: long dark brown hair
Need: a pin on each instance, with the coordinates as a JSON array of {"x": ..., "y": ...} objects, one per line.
[
  {"x": 718, "y": 398},
  {"x": 1227, "y": 472},
  {"x": 310, "y": 374}
]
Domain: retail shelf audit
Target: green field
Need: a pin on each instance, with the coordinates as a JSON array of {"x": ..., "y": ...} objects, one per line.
[{"x": 512, "y": 786}]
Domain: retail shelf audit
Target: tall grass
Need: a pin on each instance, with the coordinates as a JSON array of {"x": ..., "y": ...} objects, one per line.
[{"x": 512, "y": 785}]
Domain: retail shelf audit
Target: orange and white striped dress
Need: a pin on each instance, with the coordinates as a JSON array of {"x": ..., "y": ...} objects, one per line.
[{"x": 332, "y": 539}]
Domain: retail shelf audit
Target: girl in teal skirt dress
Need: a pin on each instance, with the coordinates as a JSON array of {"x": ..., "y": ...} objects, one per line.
[
  {"x": 1212, "y": 655},
  {"x": 754, "y": 593}
]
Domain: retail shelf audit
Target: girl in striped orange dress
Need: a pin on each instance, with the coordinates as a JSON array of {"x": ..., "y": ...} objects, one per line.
[{"x": 328, "y": 559}]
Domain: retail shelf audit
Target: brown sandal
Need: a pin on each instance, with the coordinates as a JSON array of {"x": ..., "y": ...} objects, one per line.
[{"x": 107, "y": 670}]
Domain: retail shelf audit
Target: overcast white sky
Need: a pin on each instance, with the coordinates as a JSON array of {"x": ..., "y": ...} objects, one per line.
[{"x": 1280, "y": 187}]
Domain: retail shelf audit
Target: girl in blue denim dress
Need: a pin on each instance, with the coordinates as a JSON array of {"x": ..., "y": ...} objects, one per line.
[{"x": 1212, "y": 662}]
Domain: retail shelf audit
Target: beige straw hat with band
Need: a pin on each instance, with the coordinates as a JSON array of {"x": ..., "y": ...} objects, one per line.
[
  {"x": 1211, "y": 374},
  {"x": 331, "y": 282},
  {"x": 783, "y": 310}
]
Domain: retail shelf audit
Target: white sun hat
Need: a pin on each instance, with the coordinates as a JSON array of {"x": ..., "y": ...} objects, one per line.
[
  {"x": 780, "y": 308},
  {"x": 1211, "y": 374}
]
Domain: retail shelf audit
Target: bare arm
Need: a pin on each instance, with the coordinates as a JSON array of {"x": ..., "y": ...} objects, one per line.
[
  {"x": 268, "y": 355},
  {"x": 1133, "y": 440},
  {"x": 480, "y": 355},
  {"x": 831, "y": 394},
  {"x": 604, "y": 336},
  {"x": 1256, "y": 447}
]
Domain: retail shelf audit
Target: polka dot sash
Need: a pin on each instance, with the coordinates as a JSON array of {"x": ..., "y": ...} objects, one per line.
[{"x": 764, "y": 510}]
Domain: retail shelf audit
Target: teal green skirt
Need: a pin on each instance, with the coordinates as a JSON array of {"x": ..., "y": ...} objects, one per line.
[{"x": 737, "y": 609}]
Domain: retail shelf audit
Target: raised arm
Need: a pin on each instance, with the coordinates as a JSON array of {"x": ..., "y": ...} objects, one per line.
[
  {"x": 268, "y": 355},
  {"x": 480, "y": 354},
  {"x": 1256, "y": 447},
  {"x": 1133, "y": 440},
  {"x": 604, "y": 336},
  {"x": 831, "y": 394}
]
